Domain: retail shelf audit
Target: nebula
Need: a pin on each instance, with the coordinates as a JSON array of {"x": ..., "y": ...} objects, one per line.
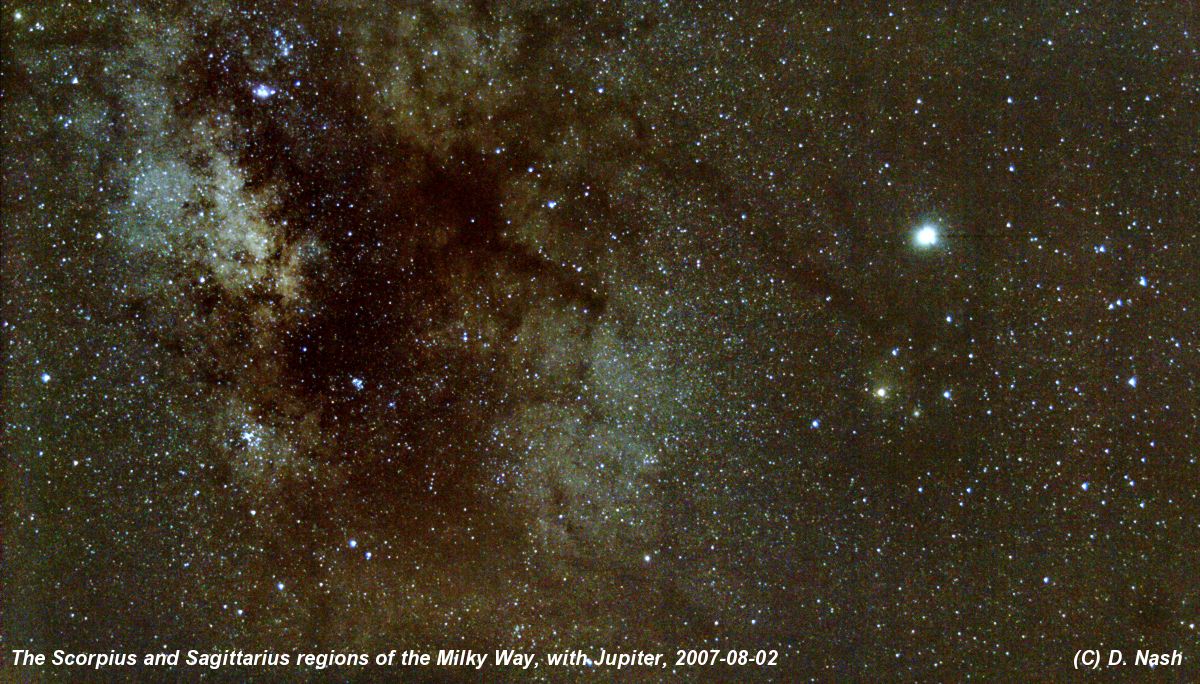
[{"x": 392, "y": 295}]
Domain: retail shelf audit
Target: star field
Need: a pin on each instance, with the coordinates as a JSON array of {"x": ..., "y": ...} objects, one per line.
[{"x": 867, "y": 335}]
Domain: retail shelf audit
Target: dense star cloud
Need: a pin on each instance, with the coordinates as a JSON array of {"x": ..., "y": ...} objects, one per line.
[{"x": 866, "y": 336}]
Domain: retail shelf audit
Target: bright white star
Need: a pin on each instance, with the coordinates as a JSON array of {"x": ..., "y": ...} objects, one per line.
[{"x": 927, "y": 236}]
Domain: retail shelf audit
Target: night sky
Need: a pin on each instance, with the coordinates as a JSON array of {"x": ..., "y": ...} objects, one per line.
[{"x": 867, "y": 335}]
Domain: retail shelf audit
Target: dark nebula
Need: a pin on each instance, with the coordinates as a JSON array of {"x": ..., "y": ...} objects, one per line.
[
  {"x": 869, "y": 336},
  {"x": 402, "y": 344}
]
